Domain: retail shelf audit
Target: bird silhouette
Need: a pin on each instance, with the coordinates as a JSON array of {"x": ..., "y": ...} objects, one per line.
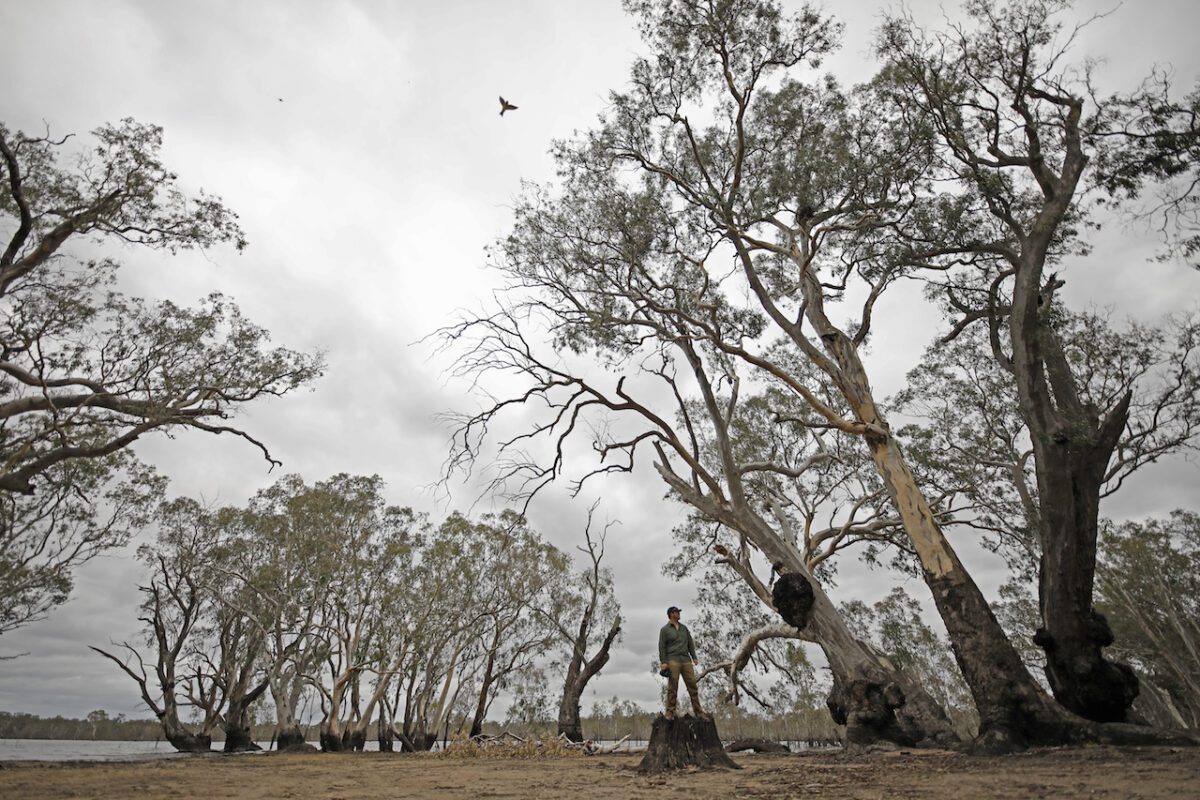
[{"x": 506, "y": 106}]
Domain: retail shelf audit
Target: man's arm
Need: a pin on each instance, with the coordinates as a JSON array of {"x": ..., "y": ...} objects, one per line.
[
  {"x": 691, "y": 646},
  {"x": 662, "y": 645}
]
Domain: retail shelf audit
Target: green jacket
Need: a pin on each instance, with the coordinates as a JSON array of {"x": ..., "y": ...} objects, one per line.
[{"x": 675, "y": 645}]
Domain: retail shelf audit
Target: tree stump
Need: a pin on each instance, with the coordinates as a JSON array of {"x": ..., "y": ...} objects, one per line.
[{"x": 684, "y": 742}]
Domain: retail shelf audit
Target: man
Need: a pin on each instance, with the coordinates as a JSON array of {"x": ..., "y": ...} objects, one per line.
[{"x": 677, "y": 654}]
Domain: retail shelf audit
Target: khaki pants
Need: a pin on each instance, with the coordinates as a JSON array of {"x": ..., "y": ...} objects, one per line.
[{"x": 683, "y": 668}]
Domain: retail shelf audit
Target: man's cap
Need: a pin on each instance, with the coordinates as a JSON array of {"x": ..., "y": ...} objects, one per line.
[{"x": 673, "y": 609}]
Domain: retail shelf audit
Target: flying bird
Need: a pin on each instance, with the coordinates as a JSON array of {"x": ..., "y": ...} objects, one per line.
[{"x": 506, "y": 106}]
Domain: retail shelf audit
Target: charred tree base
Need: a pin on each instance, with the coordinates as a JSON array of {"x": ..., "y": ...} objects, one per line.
[
  {"x": 1083, "y": 681},
  {"x": 354, "y": 740},
  {"x": 684, "y": 742},
  {"x": 1031, "y": 724},
  {"x": 1002, "y": 741},
  {"x": 387, "y": 741},
  {"x": 331, "y": 743},
  {"x": 757, "y": 746},
  {"x": 573, "y": 731},
  {"x": 240, "y": 741},
  {"x": 868, "y": 710},
  {"x": 289, "y": 739},
  {"x": 417, "y": 743},
  {"x": 190, "y": 742}
]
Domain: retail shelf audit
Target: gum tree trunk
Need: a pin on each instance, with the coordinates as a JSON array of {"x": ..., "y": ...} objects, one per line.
[
  {"x": 386, "y": 736},
  {"x": 913, "y": 717},
  {"x": 239, "y": 727},
  {"x": 354, "y": 739},
  {"x": 1072, "y": 444},
  {"x": 1073, "y": 633},
  {"x": 288, "y": 733},
  {"x": 1013, "y": 710},
  {"x": 484, "y": 690},
  {"x": 239, "y": 736},
  {"x": 579, "y": 671}
]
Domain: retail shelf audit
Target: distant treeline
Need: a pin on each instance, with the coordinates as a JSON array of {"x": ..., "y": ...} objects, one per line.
[
  {"x": 629, "y": 719},
  {"x": 98, "y": 725}
]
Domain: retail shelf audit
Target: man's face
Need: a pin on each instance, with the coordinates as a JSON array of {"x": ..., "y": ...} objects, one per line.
[{"x": 673, "y": 616}]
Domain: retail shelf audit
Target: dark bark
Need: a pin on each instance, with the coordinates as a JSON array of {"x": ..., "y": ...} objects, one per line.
[
  {"x": 1073, "y": 633},
  {"x": 871, "y": 710},
  {"x": 187, "y": 742},
  {"x": 290, "y": 738},
  {"x": 570, "y": 724},
  {"x": 484, "y": 690},
  {"x": 173, "y": 604},
  {"x": 1014, "y": 712},
  {"x": 684, "y": 742},
  {"x": 425, "y": 740},
  {"x": 875, "y": 712},
  {"x": 386, "y": 735},
  {"x": 579, "y": 672},
  {"x": 1072, "y": 440},
  {"x": 417, "y": 742},
  {"x": 793, "y": 598},
  {"x": 354, "y": 739},
  {"x": 238, "y": 739},
  {"x": 888, "y": 707},
  {"x": 757, "y": 745},
  {"x": 921, "y": 718},
  {"x": 1012, "y": 708},
  {"x": 238, "y": 725},
  {"x": 331, "y": 743},
  {"x": 868, "y": 710}
]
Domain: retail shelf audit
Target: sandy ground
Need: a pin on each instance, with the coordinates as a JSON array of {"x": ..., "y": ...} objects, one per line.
[{"x": 1091, "y": 772}]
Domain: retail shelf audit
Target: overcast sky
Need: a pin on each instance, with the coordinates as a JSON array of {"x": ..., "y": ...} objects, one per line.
[{"x": 361, "y": 145}]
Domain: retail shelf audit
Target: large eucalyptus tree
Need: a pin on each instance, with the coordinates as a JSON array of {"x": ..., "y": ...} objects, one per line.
[
  {"x": 1017, "y": 124},
  {"x": 707, "y": 233},
  {"x": 85, "y": 370}
]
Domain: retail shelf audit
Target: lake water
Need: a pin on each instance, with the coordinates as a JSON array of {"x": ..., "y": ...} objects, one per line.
[
  {"x": 81, "y": 750},
  {"x": 87, "y": 750}
]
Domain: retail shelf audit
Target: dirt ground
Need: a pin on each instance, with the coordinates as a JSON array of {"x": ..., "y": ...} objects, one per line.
[{"x": 1091, "y": 772}]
